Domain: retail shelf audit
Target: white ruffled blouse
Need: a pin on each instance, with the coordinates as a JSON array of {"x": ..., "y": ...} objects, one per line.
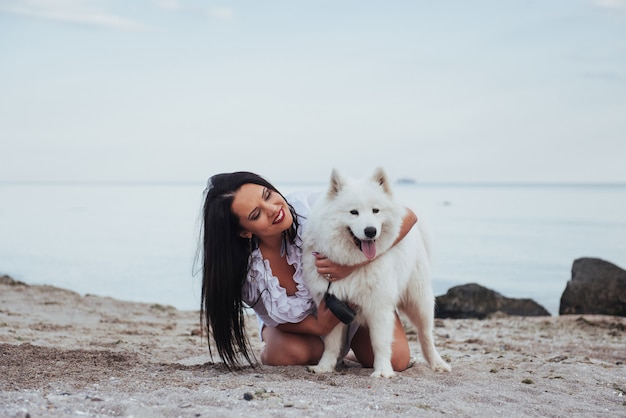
[{"x": 263, "y": 292}]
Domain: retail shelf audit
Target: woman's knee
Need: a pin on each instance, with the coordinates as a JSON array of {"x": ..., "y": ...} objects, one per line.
[
  {"x": 401, "y": 357},
  {"x": 400, "y": 350}
]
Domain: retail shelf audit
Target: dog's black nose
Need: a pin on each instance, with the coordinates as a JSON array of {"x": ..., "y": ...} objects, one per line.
[{"x": 370, "y": 232}]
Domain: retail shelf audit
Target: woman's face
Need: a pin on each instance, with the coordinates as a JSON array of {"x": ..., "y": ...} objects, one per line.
[{"x": 261, "y": 211}]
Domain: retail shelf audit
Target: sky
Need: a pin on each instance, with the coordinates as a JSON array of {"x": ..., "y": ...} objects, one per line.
[{"x": 437, "y": 91}]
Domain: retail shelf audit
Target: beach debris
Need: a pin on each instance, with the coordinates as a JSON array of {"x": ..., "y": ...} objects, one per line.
[
  {"x": 163, "y": 308},
  {"x": 260, "y": 394}
]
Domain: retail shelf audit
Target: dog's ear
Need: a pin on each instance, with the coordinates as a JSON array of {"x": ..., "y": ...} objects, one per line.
[
  {"x": 381, "y": 179},
  {"x": 336, "y": 184}
]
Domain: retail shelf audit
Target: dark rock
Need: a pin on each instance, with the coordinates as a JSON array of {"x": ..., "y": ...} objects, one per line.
[
  {"x": 475, "y": 301},
  {"x": 596, "y": 287}
]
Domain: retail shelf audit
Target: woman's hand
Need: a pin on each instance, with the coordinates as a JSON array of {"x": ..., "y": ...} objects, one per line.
[{"x": 332, "y": 271}]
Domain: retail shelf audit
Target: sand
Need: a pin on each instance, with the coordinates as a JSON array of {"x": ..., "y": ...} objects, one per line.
[{"x": 65, "y": 354}]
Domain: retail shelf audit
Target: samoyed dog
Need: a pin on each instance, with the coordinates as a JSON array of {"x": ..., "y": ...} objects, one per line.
[{"x": 355, "y": 222}]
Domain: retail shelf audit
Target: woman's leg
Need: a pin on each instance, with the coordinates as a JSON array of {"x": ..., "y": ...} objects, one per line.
[
  {"x": 289, "y": 349},
  {"x": 400, "y": 352}
]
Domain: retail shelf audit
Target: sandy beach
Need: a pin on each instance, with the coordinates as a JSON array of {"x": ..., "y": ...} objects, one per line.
[{"x": 65, "y": 354}]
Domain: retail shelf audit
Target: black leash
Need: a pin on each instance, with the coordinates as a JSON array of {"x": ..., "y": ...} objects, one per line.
[{"x": 339, "y": 308}]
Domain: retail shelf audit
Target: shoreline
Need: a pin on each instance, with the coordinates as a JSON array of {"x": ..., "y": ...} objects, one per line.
[{"x": 63, "y": 354}]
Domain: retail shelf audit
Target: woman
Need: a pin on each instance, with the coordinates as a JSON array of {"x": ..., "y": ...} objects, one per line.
[{"x": 252, "y": 256}]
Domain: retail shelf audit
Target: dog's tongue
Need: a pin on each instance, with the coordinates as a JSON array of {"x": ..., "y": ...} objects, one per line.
[{"x": 369, "y": 249}]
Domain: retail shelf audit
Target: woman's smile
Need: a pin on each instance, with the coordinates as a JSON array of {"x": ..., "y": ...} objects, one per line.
[{"x": 279, "y": 218}]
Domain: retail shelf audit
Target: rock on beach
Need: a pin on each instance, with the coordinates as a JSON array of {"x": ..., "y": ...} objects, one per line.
[
  {"x": 476, "y": 301},
  {"x": 596, "y": 287}
]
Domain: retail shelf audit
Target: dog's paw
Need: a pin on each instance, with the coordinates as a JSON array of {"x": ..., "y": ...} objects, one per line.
[
  {"x": 319, "y": 369},
  {"x": 440, "y": 366},
  {"x": 388, "y": 374}
]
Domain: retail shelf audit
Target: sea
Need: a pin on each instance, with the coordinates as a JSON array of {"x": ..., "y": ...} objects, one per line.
[{"x": 139, "y": 241}]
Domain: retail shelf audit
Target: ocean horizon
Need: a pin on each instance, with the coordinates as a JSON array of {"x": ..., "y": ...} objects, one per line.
[{"x": 137, "y": 240}]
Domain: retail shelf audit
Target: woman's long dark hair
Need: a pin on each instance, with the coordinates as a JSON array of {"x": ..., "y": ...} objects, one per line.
[{"x": 225, "y": 267}]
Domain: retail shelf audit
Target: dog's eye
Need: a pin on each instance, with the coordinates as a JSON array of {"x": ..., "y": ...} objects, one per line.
[
  {"x": 375, "y": 210},
  {"x": 354, "y": 212}
]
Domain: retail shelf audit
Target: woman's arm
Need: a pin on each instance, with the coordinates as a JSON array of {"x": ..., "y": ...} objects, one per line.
[
  {"x": 320, "y": 325},
  {"x": 410, "y": 219},
  {"x": 325, "y": 266}
]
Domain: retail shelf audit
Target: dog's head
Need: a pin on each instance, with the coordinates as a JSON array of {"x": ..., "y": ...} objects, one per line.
[{"x": 366, "y": 210}]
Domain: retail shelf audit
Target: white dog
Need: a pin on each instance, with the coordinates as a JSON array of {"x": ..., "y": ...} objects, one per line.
[{"x": 356, "y": 221}]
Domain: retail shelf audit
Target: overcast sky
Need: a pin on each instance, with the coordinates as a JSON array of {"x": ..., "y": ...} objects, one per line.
[{"x": 177, "y": 90}]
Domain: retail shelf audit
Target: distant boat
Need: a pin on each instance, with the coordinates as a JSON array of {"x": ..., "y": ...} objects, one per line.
[{"x": 406, "y": 180}]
